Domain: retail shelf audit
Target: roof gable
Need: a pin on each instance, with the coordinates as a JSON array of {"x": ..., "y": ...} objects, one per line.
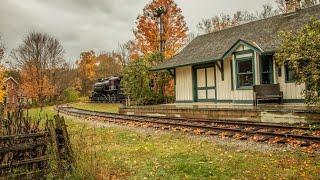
[
  {"x": 261, "y": 34},
  {"x": 11, "y": 78},
  {"x": 240, "y": 42}
]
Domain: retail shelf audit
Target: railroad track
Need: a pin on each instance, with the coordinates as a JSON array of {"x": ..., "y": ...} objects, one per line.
[{"x": 301, "y": 135}]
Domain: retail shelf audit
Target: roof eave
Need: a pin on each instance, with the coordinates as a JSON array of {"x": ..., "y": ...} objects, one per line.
[{"x": 187, "y": 64}]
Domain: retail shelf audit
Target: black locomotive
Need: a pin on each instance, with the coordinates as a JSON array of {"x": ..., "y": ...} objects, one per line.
[{"x": 108, "y": 90}]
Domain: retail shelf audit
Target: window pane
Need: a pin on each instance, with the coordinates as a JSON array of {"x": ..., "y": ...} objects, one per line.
[
  {"x": 266, "y": 78},
  {"x": 202, "y": 94},
  {"x": 201, "y": 77},
  {"x": 266, "y": 69},
  {"x": 245, "y": 80},
  {"x": 211, "y": 94},
  {"x": 210, "y": 77},
  {"x": 245, "y": 66},
  {"x": 289, "y": 73},
  {"x": 265, "y": 65}
]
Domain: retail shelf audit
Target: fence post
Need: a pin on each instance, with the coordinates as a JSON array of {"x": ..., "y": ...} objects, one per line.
[
  {"x": 65, "y": 134},
  {"x": 54, "y": 144}
]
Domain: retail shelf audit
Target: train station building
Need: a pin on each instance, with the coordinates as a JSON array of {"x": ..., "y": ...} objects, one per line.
[{"x": 223, "y": 66}]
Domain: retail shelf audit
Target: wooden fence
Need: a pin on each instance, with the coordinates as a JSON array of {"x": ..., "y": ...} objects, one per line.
[{"x": 32, "y": 155}]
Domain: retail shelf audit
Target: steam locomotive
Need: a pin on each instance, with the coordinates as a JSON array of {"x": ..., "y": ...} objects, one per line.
[{"x": 108, "y": 90}]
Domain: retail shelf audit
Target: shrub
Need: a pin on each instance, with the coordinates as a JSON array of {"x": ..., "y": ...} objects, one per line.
[
  {"x": 71, "y": 95},
  {"x": 142, "y": 85},
  {"x": 300, "y": 50}
]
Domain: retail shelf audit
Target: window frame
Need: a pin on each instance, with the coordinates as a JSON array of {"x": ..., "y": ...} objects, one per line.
[
  {"x": 251, "y": 58},
  {"x": 271, "y": 70},
  {"x": 195, "y": 83},
  {"x": 286, "y": 70}
]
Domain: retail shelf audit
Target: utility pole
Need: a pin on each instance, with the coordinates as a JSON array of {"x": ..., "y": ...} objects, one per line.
[{"x": 158, "y": 13}]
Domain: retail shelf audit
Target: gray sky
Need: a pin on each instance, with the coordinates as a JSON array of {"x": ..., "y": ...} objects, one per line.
[{"x": 100, "y": 25}]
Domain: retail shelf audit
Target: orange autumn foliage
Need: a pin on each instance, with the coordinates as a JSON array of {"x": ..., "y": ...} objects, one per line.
[
  {"x": 2, "y": 83},
  {"x": 147, "y": 32},
  {"x": 87, "y": 71},
  {"x": 87, "y": 64},
  {"x": 36, "y": 85},
  {"x": 108, "y": 64}
]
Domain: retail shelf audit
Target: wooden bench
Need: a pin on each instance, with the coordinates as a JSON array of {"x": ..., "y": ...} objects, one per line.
[{"x": 267, "y": 92}]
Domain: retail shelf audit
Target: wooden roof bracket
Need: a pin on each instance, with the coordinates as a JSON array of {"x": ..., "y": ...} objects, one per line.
[{"x": 171, "y": 72}]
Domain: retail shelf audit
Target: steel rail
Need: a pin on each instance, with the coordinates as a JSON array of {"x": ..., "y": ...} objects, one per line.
[
  {"x": 224, "y": 122},
  {"x": 185, "y": 123}
]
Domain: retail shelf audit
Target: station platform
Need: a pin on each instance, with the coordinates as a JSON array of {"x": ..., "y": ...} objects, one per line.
[{"x": 268, "y": 113}]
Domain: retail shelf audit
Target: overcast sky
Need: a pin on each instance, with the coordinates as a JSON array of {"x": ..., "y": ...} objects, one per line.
[{"x": 100, "y": 25}]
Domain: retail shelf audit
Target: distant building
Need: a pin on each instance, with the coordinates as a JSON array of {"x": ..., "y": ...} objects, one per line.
[{"x": 13, "y": 95}]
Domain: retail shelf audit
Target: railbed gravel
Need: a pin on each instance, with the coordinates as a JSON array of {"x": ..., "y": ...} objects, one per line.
[{"x": 237, "y": 145}]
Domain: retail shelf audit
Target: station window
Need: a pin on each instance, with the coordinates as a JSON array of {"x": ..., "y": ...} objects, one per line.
[
  {"x": 289, "y": 74},
  {"x": 244, "y": 73}
]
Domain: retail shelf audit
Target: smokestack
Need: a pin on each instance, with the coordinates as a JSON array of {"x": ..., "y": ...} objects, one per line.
[{"x": 292, "y": 5}]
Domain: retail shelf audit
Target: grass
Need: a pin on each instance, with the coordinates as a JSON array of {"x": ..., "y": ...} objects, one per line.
[
  {"x": 101, "y": 107},
  {"x": 124, "y": 153}
]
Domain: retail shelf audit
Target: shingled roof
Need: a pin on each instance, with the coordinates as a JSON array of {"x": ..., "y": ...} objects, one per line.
[{"x": 262, "y": 33}]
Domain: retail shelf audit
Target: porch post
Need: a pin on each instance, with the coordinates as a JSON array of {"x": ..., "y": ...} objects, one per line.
[
  {"x": 256, "y": 67},
  {"x": 275, "y": 71}
]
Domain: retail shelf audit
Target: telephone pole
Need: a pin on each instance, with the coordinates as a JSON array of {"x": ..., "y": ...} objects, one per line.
[{"x": 158, "y": 13}]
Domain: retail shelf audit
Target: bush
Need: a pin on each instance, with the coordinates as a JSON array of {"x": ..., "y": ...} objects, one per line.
[
  {"x": 143, "y": 86},
  {"x": 71, "y": 95},
  {"x": 300, "y": 50}
]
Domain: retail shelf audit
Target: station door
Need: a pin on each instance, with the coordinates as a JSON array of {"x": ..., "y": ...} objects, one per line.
[{"x": 205, "y": 88}]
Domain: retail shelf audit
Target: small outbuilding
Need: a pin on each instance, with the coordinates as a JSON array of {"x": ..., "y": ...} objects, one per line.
[
  {"x": 13, "y": 96},
  {"x": 223, "y": 66}
]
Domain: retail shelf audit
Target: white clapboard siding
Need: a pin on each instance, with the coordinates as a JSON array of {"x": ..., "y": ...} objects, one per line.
[
  {"x": 184, "y": 84},
  {"x": 210, "y": 77},
  {"x": 224, "y": 88},
  {"x": 290, "y": 90}
]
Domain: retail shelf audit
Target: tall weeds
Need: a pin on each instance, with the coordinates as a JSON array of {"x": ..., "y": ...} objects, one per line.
[{"x": 15, "y": 122}]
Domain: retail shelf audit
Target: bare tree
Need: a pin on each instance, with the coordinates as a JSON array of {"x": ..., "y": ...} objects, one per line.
[
  {"x": 190, "y": 37},
  {"x": 38, "y": 57},
  {"x": 64, "y": 77},
  {"x": 308, "y": 3},
  {"x": 2, "y": 48},
  {"x": 281, "y": 5},
  {"x": 39, "y": 49},
  {"x": 268, "y": 11},
  {"x": 304, "y": 3},
  {"x": 224, "y": 21},
  {"x": 124, "y": 52}
]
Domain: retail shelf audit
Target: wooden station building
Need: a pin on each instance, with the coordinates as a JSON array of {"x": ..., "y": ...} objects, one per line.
[{"x": 223, "y": 66}]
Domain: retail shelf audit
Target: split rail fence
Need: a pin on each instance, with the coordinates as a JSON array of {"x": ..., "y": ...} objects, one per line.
[{"x": 32, "y": 155}]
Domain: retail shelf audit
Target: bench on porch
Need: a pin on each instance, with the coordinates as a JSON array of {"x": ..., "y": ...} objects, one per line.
[{"x": 267, "y": 92}]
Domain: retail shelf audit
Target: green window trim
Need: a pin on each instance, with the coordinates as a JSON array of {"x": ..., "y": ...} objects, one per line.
[
  {"x": 195, "y": 83},
  {"x": 232, "y": 84},
  {"x": 238, "y": 87}
]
